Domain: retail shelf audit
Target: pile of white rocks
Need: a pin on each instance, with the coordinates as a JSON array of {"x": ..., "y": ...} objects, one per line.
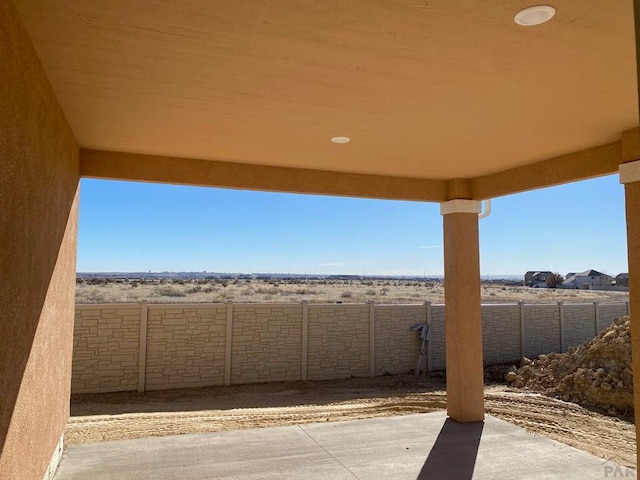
[{"x": 596, "y": 374}]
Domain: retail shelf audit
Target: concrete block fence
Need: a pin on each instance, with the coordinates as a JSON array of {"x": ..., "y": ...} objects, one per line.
[{"x": 138, "y": 346}]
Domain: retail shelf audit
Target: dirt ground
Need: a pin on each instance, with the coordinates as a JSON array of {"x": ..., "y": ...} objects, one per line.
[{"x": 129, "y": 415}]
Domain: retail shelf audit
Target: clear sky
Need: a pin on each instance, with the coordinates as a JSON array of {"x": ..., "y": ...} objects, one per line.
[{"x": 126, "y": 226}]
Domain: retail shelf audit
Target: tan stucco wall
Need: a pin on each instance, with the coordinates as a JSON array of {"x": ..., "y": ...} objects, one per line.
[{"x": 38, "y": 224}]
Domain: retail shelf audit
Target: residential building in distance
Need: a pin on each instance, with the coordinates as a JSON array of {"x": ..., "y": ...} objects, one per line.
[
  {"x": 536, "y": 278},
  {"x": 588, "y": 279}
]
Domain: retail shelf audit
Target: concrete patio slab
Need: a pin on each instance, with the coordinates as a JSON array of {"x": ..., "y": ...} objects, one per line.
[{"x": 425, "y": 446}]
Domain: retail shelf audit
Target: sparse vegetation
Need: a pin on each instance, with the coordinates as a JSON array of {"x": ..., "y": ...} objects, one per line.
[{"x": 101, "y": 290}]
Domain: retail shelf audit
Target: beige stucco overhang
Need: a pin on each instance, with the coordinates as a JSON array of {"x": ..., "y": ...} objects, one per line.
[
  {"x": 427, "y": 92},
  {"x": 189, "y": 171},
  {"x": 575, "y": 166}
]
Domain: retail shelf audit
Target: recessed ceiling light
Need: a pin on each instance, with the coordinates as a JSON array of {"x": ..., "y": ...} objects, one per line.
[
  {"x": 340, "y": 139},
  {"x": 534, "y": 15}
]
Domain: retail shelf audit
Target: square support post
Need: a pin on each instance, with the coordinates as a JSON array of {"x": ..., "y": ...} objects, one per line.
[
  {"x": 630, "y": 176},
  {"x": 463, "y": 315}
]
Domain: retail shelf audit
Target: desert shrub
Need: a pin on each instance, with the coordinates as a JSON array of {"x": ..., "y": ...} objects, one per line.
[
  {"x": 195, "y": 289},
  {"x": 304, "y": 291},
  {"x": 370, "y": 291},
  {"x": 268, "y": 291},
  {"x": 95, "y": 296},
  {"x": 554, "y": 280},
  {"x": 346, "y": 294},
  {"x": 170, "y": 292}
]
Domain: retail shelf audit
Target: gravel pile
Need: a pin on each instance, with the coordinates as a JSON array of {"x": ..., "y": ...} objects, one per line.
[{"x": 597, "y": 373}]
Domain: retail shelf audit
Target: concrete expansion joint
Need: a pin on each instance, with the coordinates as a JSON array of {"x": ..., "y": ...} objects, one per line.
[
  {"x": 629, "y": 172},
  {"x": 460, "y": 206}
]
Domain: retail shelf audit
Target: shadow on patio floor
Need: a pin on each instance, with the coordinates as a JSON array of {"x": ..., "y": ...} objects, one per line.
[{"x": 454, "y": 453}]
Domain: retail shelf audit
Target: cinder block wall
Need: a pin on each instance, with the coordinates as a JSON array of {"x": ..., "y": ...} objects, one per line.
[
  {"x": 542, "y": 330},
  {"x": 106, "y": 344},
  {"x": 149, "y": 347},
  {"x": 609, "y": 312},
  {"x": 501, "y": 333},
  {"x": 338, "y": 345},
  {"x": 185, "y": 346},
  {"x": 437, "y": 352},
  {"x": 579, "y": 324},
  {"x": 509, "y": 333},
  {"x": 397, "y": 347},
  {"x": 267, "y": 343}
]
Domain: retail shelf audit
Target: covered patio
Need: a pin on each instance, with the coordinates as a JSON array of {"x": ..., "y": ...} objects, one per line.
[
  {"x": 425, "y": 446},
  {"x": 442, "y": 102}
]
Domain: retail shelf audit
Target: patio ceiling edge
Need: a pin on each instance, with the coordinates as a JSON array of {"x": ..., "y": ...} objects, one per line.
[{"x": 581, "y": 165}]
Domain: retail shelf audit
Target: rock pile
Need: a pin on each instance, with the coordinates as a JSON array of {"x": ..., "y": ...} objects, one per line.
[{"x": 597, "y": 373}]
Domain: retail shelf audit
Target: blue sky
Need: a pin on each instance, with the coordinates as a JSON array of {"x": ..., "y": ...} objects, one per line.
[{"x": 126, "y": 226}]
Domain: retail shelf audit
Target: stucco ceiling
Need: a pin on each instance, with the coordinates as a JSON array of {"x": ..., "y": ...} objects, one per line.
[{"x": 429, "y": 89}]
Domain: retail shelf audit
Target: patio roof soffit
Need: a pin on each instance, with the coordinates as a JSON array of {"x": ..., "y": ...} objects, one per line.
[
  {"x": 212, "y": 173},
  {"x": 581, "y": 165}
]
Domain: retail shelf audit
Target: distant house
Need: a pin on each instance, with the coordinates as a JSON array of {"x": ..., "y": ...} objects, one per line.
[
  {"x": 536, "y": 278},
  {"x": 622, "y": 280},
  {"x": 587, "y": 279}
]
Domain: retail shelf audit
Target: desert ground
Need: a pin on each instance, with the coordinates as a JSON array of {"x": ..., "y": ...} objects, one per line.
[
  {"x": 128, "y": 415},
  {"x": 316, "y": 291}
]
